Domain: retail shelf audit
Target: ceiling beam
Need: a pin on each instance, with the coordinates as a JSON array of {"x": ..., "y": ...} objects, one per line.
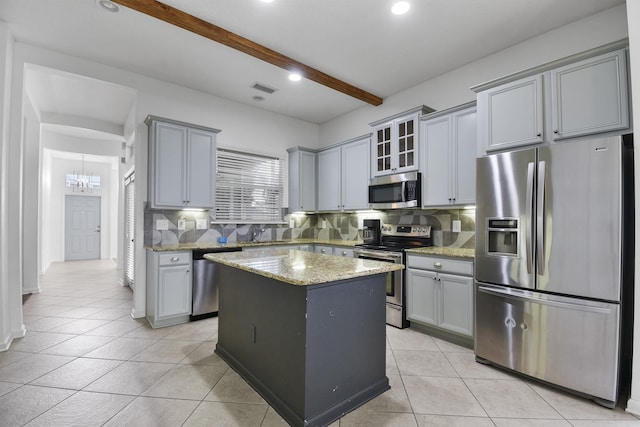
[{"x": 206, "y": 29}]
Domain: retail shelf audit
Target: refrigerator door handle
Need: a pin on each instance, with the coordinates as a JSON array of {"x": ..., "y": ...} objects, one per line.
[
  {"x": 540, "y": 219},
  {"x": 529, "y": 223},
  {"x": 523, "y": 295}
]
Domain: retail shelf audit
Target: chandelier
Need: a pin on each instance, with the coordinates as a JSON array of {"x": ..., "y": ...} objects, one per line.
[{"x": 82, "y": 183}]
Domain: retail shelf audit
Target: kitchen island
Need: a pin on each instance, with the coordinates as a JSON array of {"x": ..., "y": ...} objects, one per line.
[{"x": 306, "y": 330}]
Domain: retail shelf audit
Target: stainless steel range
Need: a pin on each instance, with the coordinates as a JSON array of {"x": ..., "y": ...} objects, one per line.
[{"x": 390, "y": 247}]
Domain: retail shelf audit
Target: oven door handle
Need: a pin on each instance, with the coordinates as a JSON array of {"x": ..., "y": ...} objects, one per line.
[{"x": 378, "y": 255}]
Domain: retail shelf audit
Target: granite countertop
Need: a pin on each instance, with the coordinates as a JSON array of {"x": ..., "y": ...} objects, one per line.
[
  {"x": 300, "y": 267},
  {"x": 192, "y": 246},
  {"x": 444, "y": 252}
]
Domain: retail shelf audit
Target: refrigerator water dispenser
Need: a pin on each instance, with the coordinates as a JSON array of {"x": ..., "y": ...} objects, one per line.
[{"x": 502, "y": 236}]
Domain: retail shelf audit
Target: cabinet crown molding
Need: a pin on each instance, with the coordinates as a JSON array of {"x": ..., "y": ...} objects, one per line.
[
  {"x": 422, "y": 109},
  {"x": 448, "y": 110},
  {"x": 150, "y": 119},
  {"x": 620, "y": 44}
]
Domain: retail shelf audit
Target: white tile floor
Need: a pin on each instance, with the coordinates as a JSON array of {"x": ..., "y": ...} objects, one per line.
[{"x": 85, "y": 362}]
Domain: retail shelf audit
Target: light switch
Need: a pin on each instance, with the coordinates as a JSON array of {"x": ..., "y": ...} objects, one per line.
[
  {"x": 162, "y": 224},
  {"x": 201, "y": 224}
]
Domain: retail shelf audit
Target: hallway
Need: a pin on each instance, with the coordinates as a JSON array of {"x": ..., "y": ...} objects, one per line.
[{"x": 86, "y": 362}]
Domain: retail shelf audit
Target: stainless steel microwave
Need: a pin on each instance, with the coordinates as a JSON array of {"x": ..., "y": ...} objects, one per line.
[{"x": 397, "y": 191}]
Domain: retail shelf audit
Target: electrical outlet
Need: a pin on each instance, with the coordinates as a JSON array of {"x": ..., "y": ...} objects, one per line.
[
  {"x": 292, "y": 223},
  {"x": 323, "y": 223},
  {"x": 456, "y": 226},
  {"x": 201, "y": 224},
  {"x": 182, "y": 224},
  {"x": 162, "y": 224}
]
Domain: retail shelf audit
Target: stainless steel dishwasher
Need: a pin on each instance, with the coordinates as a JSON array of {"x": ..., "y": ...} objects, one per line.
[{"x": 205, "y": 292}]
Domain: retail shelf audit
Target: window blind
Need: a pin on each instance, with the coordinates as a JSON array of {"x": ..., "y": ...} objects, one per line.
[
  {"x": 129, "y": 248},
  {"x": 249, "y": 187}
]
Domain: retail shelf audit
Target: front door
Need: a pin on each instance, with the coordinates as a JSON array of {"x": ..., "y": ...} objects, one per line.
[{"x": 82, "y": 227}]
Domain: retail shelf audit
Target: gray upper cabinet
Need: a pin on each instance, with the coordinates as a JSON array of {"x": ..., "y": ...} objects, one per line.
[
  {"x": 343, "y": 176},
  {"x": 394, "y": 146},
  {"x": 511, "y": 114},
  {"x": 448, "y": 164},
  {"x": 590, "y": 96},
  {"x": 355, "y": 174},
  {"x": 302, "y": 180},
  {"x": 329, "y": 167},
  {"x": 581, "y": 95},
  {"x": 181, "y": 164}
]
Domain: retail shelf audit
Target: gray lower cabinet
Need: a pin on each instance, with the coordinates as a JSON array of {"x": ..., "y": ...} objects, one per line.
[
  {"x": 169, "y": 283},
  {"x": 440, "y": 294},
  {"x": 181, "y": 164},
  {"x": 323, "y": 249},
  {"x": 345, "y": 252}
]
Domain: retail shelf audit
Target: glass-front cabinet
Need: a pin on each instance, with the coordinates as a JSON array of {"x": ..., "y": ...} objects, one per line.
[{"x": 394, "y": 146}]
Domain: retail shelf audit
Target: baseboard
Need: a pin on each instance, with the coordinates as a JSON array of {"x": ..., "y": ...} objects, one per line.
[
  {"x": 633, "y": 406},
  {"x": 138, "y": 314},
  {"x": 6, "y": 342},
  {"x": 37, "y": 290}
]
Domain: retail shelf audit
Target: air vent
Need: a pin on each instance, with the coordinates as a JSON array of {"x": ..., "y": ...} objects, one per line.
[{"x": 263, "y": 87}]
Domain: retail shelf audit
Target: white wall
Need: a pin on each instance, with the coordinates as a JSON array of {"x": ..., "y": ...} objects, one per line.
[
  {"x": 31, "y": 179},
  {"x": 10, "y": 284},
  {"x": 452, "y": 88},
  {"x": 633, "y": 16}
]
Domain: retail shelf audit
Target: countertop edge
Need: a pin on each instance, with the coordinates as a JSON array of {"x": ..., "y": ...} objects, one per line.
[{"x": 313, "y": 276}]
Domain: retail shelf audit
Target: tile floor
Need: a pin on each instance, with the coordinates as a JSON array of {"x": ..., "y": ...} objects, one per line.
[{"x": 86, "y": 362}]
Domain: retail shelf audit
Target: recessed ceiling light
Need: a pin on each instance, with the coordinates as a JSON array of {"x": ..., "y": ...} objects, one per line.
[
  {"x": 400, "y": 8},
  {"x": 108, "y": 5},
  {"x": 295, "y": 77}
]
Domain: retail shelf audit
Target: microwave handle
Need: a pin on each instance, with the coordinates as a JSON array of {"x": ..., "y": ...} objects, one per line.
[{"x": 404, "y": 191}]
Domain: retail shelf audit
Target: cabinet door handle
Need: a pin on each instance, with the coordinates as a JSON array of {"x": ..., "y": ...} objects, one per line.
[
  {"x": 538, "y": 135},
  {"x": 437, "y": 264},
  {"x": 175, "y": 259},
  {"x": 556, "y": 131}
]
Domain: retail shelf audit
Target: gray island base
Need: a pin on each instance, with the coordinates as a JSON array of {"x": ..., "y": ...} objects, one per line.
[{"x": 314, "y": 352}]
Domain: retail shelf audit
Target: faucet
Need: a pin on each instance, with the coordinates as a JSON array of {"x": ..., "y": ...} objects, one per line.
[{"x": 256, "y": 235}]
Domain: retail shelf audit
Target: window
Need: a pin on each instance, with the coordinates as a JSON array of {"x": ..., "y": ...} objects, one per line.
[
  {"x": 249, "y": 187},
  {"x": 82, "y": 182}
]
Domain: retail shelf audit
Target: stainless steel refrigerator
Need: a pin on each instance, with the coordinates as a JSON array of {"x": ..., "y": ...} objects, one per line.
[{"x": 554, "y": 260}]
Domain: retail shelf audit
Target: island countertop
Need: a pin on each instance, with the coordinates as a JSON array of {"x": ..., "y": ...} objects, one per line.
[{"x": 300, "y": 267}]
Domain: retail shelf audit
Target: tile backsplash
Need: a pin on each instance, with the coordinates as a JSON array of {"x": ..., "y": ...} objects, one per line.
[{"x": 326, "y": 226}]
